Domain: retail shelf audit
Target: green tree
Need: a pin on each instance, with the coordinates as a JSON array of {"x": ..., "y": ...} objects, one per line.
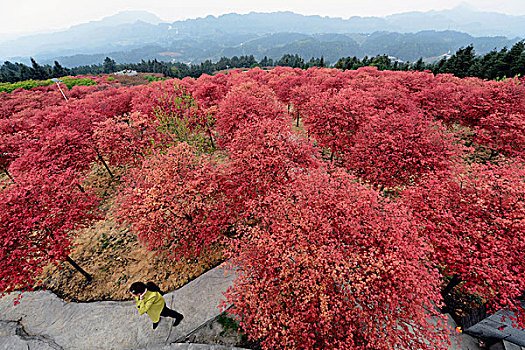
[
  {"x": 381, "y": 62},
  {"x": 516, "y": 59},
  {"x": 419, "y": 65},
  {"x": 110, "y": 66},
  {"x": 38, "y": 72},
  {"x": 460, "y": 62},
  {"x": 58, "y": 70},
  {"x": 9, "y": 72},
  {"x": 294, "y": 61}
]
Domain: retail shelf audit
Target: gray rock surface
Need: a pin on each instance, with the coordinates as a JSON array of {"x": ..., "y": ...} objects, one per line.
[
  {"x": 460, "y": 341},
  {"x": 45, "y": 322},
  {"x": 14, "y": 337},
  {"x": 511, "y": 346},
  {"x": 110, "y": 324},
  {"x": 216, "y": 332},
  {"x": 183, "y": 346}
]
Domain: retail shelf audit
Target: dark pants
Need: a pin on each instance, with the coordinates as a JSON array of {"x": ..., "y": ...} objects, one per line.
[{"x": 167, "y": 312}]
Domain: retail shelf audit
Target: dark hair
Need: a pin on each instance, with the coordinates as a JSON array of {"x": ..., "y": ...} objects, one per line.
[
  {"x": 153, "y": 287},
  {"x": 137, "y": 288}
]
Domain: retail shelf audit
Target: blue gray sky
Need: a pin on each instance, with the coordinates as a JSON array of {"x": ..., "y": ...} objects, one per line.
[{"x": 29, "y": 16}]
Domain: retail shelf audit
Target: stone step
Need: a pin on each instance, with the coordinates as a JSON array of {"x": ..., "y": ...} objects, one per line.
[
  {"x": 511, "y": 346},
  {"x": 113, "y": 324}
]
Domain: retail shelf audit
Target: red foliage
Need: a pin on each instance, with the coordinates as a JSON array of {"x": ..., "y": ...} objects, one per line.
[
  {"x": 300, "y": 98},
  {"x": 504, "y": 133},
  {"x": 264, "y": 156},
  {"x": 318, "y": 249},
  {"x": 127, "y": 140},
  {"x": 283, "y": 80},
  {"x": 81, "y": 91},
  {"x": 23, "y": 100},
  {"x": 246, "y": 103},
  {"x": 333, "y": 119},
  {"x": 467, "y": 101},
  {"x": 209, "y": 91},
  {"x": 474, "y": 218},
  {"x": 332, "y": 265},
  {"x": 109, "y": 102},
  {"x": 58, "y": 137},
  {"x": 39, "y": 216},
  {"x": 169, "y": 102},
  {"x": 393, "y": 149},
  {"x": 170, "y": 202}
]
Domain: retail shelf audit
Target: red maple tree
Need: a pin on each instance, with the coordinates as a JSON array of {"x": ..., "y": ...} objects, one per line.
[
  {"x": 474, "y": 219},
  {"x": 396, "y": 149},
  {"x": 245, "y": 103},
  {"x": 332, "y": 265},
  {"x": 263, "y": 156},
  {"x": 127, "y": 141},
  {"x": 40, "y": 214},
  {"x": 170, "y": 202}
]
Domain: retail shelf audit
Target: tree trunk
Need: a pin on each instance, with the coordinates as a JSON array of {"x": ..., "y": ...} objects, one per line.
[
  {"x": 297, "y": 119},
  {"x": 8, "y": 175},
  {"x": 211, "y": 139},
  {"x": 104, "y": 163},
  {"x": 81, "y": 188},
  {"x": 78, "y": 268},
  {"x": 453, "y": 283}
]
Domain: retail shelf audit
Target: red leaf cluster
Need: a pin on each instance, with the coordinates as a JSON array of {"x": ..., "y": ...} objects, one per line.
[
  {"x": 39, "y": 216},
  {"x": 332, "y": 265},
  {"x": 325, "y": 261},
  {"x": 171, "y": 201},
  {"x": 395, "y": 149},
  {"x": 475, "y": 220}
]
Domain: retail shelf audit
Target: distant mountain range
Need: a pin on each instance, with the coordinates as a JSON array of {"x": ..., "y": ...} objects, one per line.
[{"x": 134, "y": 35}]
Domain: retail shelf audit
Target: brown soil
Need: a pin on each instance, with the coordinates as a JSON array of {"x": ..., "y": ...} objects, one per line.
[{"x": 115, "y": 258}]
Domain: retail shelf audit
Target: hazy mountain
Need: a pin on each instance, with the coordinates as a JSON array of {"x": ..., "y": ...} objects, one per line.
[
  {"x": 123, "y": 30},
  {"x": 124, "y": 17},
  {"x": 462, "y": 18},
  {"x": 134, "y": 35},
  {"x": 405, "y": 46}
]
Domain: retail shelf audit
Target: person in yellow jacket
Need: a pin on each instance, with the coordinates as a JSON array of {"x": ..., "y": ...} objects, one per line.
[{"x": 150, "y": 301}]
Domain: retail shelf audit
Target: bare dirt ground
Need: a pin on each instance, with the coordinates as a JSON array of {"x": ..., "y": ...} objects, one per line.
[{"x": 115, "y": 258}]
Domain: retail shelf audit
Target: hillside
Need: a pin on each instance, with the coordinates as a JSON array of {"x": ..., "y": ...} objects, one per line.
[
  {"x": 345, "y": 200},
  {"x": 130, "y": 37}
]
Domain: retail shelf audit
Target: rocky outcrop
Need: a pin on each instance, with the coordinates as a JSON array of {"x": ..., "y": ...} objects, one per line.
[
  {"x": 14, "y": 337},
  {"x": 47, "y": 322}
]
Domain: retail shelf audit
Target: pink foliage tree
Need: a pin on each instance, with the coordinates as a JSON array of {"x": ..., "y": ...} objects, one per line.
[
  {"x": 40, "y": 214},
  {"x": 474, "y": 219},
  {"x": 170, "y": 202},
  {"x": 395, "y": 149},
  {"x": 332, "y": 265}
]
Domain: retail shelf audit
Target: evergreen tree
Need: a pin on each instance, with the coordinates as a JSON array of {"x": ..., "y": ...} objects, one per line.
[
  {"x": 59, "y": 71},
  {"x": 293, "y": 61},
  {"x": 25, "y": 72},
  {"x": 110, "y": 65},
  {"x": 37, "y": 72},
  {"x": 460, "y": 62},
  {"x": 9, "y": 72},
  {"x": 381, "y": 62},
  {"x": 516, "y": 59},
  {"x": 419, "y": 65}
]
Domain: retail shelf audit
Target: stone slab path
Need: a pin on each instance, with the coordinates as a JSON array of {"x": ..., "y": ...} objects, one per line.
[{"x": 44, "y": 321}]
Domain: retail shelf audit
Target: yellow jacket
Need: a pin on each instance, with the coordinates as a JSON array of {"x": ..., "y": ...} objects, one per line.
[{"x": 152, "y": 303}]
